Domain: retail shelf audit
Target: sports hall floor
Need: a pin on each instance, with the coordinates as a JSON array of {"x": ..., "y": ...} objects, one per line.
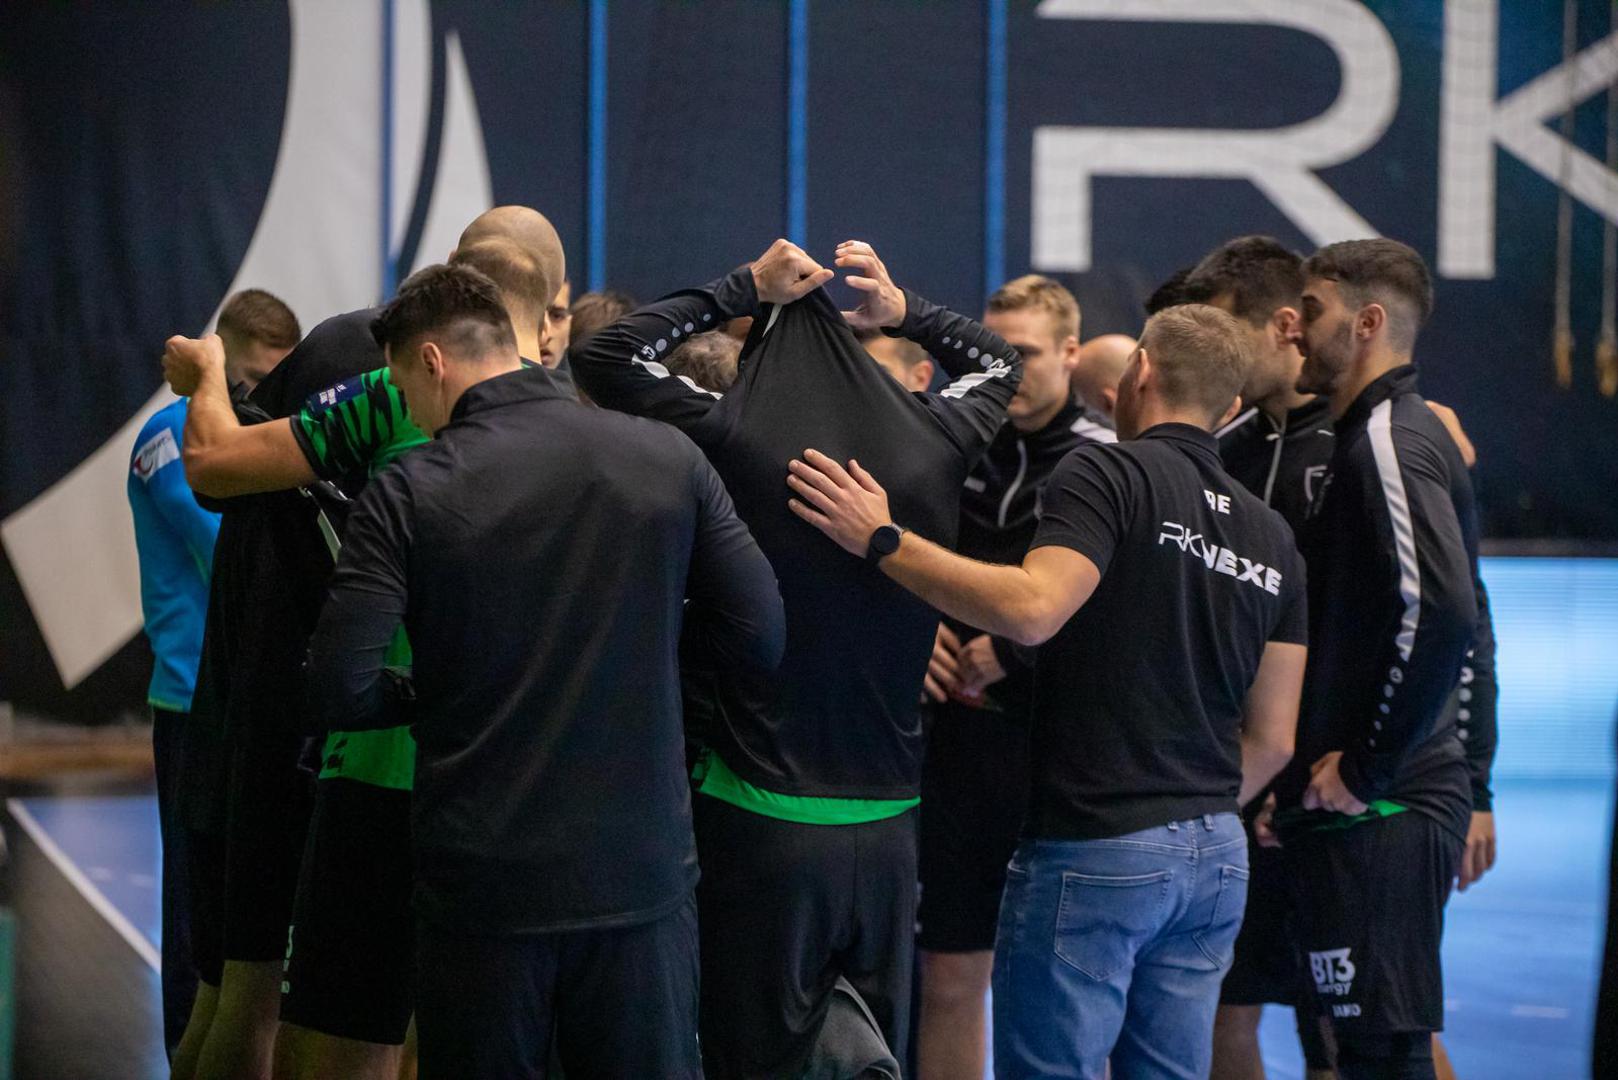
[{"x": 1520, "y": 949}]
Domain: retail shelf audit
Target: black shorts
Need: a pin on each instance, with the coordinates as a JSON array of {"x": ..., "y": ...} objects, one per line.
[
  {"x": 974, "y": 796},
  {"x": 1268, "y": 968},
  {"x": 271, "y": 797},
  {"x": 786, "y": 908},
  {"x": 350, "y": 951},
  {"x": 205, "y": 897},
  {"x": 616, "y": 1002},
  {"x": 1370, "y": 907}
]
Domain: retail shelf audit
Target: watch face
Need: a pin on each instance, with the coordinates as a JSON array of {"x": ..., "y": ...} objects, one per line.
[{"x": 885, "y": 541}]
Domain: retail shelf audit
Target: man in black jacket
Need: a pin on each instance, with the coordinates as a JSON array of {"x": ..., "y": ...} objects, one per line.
[
  {"x": 1375, "y": 808},
  {"x": 540, "y": 555},
  {"x": 975, "y": 774},
  {"x": 808, "y": 782}
]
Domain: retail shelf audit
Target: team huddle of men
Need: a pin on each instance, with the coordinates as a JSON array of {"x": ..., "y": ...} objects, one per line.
[{"x": 593, "y": 689}]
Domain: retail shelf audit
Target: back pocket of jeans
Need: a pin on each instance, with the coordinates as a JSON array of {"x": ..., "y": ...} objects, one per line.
[
  {"x": 1218, "y": 939},
  {"x": 1103, "y": 921}
]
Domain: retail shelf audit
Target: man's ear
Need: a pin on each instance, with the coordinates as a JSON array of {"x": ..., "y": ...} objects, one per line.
[
  {"x": 432, "y": 358},
  {"x": 1370, "y": 320},
  {"x": 1285, "y": 326},
  {"x": 924, "y": 373},
  {"x": 1069, "y": 350},
  {"x": 1109, "y": 401}
]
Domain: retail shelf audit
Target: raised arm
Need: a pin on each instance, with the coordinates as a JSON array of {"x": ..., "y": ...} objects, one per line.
[
  {"x": 364, "y": 608},
  {"x": 733, "y": 594},
  {"x": 1027, "y": 603},
  {"x": 222, "y": 456},
  {"x": 622, "y": 367},
  {"x": 984, "y": 370}
]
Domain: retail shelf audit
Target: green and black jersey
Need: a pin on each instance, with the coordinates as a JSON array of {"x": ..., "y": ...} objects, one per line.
[{"x": 361, "y": 424}]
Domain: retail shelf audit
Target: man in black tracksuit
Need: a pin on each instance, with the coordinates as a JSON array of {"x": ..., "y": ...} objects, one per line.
[
  {"x": 808, "y": 779},
  {"x": 1375, "y": 807},
  {"x": 542, "y": 557},
  {"x": 975, "y": 777}
]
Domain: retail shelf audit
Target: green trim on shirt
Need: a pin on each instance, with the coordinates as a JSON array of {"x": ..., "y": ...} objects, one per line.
[{"x": 716, "y": 780}]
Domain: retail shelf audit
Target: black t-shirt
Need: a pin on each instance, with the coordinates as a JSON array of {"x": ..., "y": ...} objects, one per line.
[{"x": 1138, "y": 698}]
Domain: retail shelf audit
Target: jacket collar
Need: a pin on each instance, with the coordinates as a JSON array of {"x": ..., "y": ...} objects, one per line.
[
  {"x": 527, "y": 384},
  {"x": 1186, "y": 435},
  {"x": 1391, "y": 384}
]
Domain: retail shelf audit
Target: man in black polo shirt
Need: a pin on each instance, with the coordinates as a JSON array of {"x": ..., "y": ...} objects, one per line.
[
  {"x": 1380, "y": 781},
  {"x": 1169, "y": 604},
  {"x": 540, "y": 555},
  {"x": 809, "y": 780}
]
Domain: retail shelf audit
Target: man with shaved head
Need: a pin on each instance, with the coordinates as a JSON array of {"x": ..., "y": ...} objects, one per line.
[
  {"x": 331, "y": 949},
  {"x": 1102, "y": 361}
]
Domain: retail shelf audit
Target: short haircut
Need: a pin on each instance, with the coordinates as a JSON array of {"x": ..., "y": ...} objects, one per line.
[
  {"x": 1258, "y": 273},
  {"x": 595, "y": 311},
  {"x": 907, "y": 352},
  {"x": 519, "y": 276},
  {"x": 457, "y": 304},
  {"x": 1380, "y": 271},
  {"x": 708, "y": 359},
  {"x": 1173, "y": 291},
  {"x": 255, "y": 315},
  {"x": 1035, "y": 292},
  {"x": 1200, "y": 355}
]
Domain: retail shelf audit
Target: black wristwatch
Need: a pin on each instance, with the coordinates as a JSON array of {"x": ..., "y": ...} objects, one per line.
[{"x": 884, "y": 542}]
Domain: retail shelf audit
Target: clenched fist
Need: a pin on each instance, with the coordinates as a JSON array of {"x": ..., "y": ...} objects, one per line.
[{"x": 187, "y": 360}]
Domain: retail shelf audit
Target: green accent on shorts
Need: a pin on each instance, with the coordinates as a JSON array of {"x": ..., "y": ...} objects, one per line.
[
  {"x": 385, "y": 758},
  {"x": 715, "y": 779},
  {"x": 1327, "y": 821}
]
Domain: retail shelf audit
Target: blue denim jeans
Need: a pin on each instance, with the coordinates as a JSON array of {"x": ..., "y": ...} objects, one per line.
[{"x": 1116, "y": 948}]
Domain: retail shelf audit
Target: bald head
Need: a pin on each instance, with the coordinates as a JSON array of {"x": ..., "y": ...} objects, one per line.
[
  {"x": 1102, "y": 362},
  {"x": 530, "y": 231}
]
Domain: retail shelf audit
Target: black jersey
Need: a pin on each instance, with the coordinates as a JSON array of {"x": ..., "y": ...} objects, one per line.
[
  {"x": 839, "y": 719},
  {"x": 1391, "y": 547},
  {"x": 1000, "y": 508},
  {"x": 271, "y": 565},
  {"x": 1138, "y": 698},
  {"x": 1282, "y": 462}
]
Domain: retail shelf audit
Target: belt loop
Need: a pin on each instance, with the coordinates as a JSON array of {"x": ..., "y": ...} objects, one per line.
[
  {"x": 1174, "y": 826},
  {"x": 1207, "y": 821}
]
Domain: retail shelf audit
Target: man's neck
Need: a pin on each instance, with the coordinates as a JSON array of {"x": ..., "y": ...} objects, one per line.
[
  {"x": 1377, "y": 362},
  {"x": 1154, "y": 413},
  {"x": 1038, "y": 421},
  {"x": 528, "y": 342},
  {"x": 1277, "y": 405}
]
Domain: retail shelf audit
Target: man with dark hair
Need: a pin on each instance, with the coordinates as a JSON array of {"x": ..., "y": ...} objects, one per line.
[
  {"x": 808, "y": 783},
  {"x": 1380, "y": 779},
  {"x": 543, "y": 594},
  {"x": 1173, "y": 292},
  {"x": 174, "y": 538},
  {"x": 975, "y": 775},
  {"x": 343, "y": 980},
  {"x": 595, "y": 311},
  {"x": 1169, "y": 607},
  {"x": 1278, "y": 447}
]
